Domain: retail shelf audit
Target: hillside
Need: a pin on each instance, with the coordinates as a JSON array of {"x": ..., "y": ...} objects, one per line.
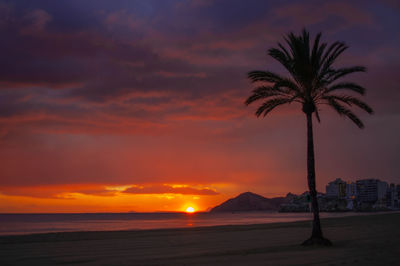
[{"x": 249, "y": 201}]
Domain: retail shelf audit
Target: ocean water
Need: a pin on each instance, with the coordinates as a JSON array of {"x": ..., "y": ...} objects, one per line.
[{"x": 17, "y": 224}]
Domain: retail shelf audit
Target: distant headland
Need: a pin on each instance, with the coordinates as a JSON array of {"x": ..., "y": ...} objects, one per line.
[{"x": 362, "y": 195}]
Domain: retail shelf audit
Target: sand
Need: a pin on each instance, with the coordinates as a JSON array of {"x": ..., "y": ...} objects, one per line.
[{"x": 358, "y": 240}]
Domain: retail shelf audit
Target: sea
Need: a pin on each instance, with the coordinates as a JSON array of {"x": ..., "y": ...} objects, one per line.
[{"x": 18, "y": 224}]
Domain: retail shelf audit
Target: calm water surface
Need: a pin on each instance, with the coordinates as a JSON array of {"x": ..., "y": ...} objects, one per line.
[{"x": 14, "y": 224}]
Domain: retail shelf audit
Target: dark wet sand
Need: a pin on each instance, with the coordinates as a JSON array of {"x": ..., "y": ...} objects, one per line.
[{"x": 358, "y": 240}]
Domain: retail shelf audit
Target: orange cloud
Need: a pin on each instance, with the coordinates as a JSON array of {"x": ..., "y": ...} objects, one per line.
[
  {"x": 106, "y": 198},
  {"x": 67, "y": 191},
  {"x": 166, "y": 189},
  {"x": 58, "y": 191}
]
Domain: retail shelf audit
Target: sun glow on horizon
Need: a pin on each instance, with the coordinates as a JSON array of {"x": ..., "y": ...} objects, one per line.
[{"x": 190, "y": 210}]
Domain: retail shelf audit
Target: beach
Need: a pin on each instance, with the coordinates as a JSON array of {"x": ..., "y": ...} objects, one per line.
[{"x": 358, "y": 240}]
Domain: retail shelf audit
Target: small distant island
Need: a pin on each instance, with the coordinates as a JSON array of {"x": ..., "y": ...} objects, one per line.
[{"x": 340, "y": 196}]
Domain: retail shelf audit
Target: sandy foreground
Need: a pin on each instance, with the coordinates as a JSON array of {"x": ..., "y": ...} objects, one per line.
[{"x": 358, "y": 240}]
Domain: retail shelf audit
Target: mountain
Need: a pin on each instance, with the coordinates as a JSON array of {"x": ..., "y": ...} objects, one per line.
[{"x": 249, "y": 201}]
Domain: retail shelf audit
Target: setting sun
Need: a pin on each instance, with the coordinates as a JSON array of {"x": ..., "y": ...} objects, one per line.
[{"x": 189, "y": 209}]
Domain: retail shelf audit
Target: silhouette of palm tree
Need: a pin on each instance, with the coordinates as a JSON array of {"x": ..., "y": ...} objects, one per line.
[{"x": 313, "y": 81}]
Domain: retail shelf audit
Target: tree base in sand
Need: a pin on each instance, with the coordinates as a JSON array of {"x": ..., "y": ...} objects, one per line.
[{"x": 317, "y": 241}]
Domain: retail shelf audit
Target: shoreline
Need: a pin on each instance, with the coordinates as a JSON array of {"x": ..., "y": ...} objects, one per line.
[
  {"x": 196, "y": 221},
  {"x": 178, "y": 227},
  {"x": 197, "y": 212},
  {"x": 216, "y": 227},
  {"x": 357, "y": 240}
]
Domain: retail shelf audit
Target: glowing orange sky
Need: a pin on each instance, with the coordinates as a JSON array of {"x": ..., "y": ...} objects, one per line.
[
  {"x": 107, "y": 106},
  {"x": 118, "y": 202}
]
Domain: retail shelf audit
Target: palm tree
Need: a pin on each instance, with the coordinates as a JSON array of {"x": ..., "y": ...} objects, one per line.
[{"x": 313, "y": 81}]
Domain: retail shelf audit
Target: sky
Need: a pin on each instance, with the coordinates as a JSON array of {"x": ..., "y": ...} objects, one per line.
[{"x": 115, "y": 106}]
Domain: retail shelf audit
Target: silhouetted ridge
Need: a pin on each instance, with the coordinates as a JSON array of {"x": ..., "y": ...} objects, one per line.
[{"x": 249, "y": 201}]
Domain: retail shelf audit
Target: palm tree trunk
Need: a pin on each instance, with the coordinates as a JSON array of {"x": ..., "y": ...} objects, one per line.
[
  {"x": 316, "y": 236},
  {"x": 316, "y": 232}
]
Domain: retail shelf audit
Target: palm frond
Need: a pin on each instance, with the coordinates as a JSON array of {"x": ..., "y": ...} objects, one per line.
[
  {"x": 315, "y": 56},
  {"x": 281, "y": 57},
  {"x": 346, "y": 86},
  {"x": 350, "y": 100},
  {"x": 317, "y": 115},
  {"x": 343, "y": 111},
  {"x": 332, "y": 53},
  {"x": 341, "y": 72},
  {"x": 289, "y": 58},
  {"x": 269, "y": 105},
  {"x": 290, "y": 86},
  {"x": 263, "y": 92},
  {"x": 306, "y": 44},
  {"x": 266, "y": 76}
]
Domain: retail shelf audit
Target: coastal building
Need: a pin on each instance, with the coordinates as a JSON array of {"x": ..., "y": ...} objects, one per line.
[
  {"x": 336, "y": 189},
  {"x": 392, "y": 197},
  {"x": 382, "y": 193},
  {"x": 361, "y": 195},
  {"x": 351, "y": 190},
  {"x": 398, "y": 194},
  {"x": 371, "y": 191},
  {"x": 351, "y": 194}
]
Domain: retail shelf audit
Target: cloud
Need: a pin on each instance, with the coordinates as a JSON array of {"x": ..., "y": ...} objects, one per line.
[
  {"x": 166, "y": 189},
  {"x": 313, "y": 13},
  {"x": 66, "y": 191},
  {"x": 37, "y": 20},
  {"x": 392, "y": 3}
]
